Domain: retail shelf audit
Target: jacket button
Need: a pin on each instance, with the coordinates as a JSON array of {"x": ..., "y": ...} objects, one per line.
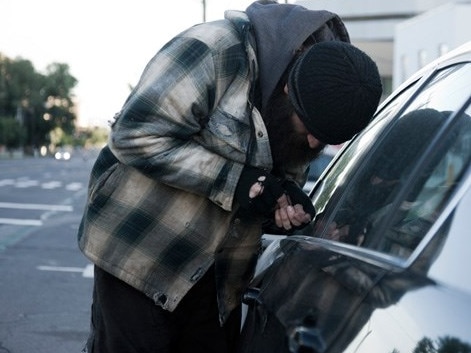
[{"x": 260, "y": 134}]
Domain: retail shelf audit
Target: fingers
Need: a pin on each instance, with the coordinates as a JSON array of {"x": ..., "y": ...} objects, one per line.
[
  {"x": 255, "y": 190},
  {"x": 283, "y": 201},
  {"x": 282, "y": 219},
  {"x": 289, "y": 216},
  {"x": 300, "y": 215},
  {"x": 259, "y": 193}
]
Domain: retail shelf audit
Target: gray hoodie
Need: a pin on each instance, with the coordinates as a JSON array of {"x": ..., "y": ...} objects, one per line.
[{"x": 281, "y": 29}]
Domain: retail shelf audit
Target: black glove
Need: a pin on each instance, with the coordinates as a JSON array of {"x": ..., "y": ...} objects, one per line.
[
  {"x": 265, "y": 202},
  {"x": 298, "y": 196}
]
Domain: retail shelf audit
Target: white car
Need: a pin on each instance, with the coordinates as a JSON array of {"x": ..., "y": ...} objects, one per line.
[{"x": 384, "y": 265}]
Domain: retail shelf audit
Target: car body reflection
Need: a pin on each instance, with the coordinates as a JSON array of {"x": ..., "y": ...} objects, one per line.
[{"x": 384, "y": 265}]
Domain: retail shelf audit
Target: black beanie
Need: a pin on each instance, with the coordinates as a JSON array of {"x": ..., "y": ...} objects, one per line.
[{"x": 335, "y": 89}]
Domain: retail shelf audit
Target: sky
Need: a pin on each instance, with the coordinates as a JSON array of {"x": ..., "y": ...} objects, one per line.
[{"x": 105, "y": 43}]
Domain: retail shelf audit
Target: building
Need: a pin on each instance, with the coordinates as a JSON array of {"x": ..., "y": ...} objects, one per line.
[
  {"x": 402, "y": 35},
  {"x": 425, "y": 37}
]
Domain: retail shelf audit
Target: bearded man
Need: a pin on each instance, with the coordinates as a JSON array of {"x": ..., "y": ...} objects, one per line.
[{"x": 213, "y": 143}]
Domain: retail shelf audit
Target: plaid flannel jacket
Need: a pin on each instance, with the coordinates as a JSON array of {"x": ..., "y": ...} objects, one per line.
[{"x": 160, "y": 206}]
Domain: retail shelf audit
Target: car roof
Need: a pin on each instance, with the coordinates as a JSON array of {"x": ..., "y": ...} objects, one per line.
[{"x": 460, "y": 54}]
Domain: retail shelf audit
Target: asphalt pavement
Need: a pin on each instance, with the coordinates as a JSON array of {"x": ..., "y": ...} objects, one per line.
[{"x": 45, "y": 281}]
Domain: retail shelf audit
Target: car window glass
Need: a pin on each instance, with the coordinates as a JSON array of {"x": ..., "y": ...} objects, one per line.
[
  {"x": 405, "y": 216},
  {"x": 397, "y": 176},
  {"x": 343, "y": 168}
]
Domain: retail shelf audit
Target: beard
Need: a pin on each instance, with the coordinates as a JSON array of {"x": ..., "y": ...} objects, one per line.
[{"x": 290, "y": 149}]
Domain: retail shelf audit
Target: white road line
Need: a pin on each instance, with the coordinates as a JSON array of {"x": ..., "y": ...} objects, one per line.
[
  {"x": 4, "y": 182},
  {"x": 51, "y": 185},
  {"x": 60, "y": 269},
  {"x": 74, "y": 186},
  {"x": 26, "y": 183},
  {"x": 87, "y": 272},
  {"x": 32, "y": 206},
  {"x": 21, "y": 222}
]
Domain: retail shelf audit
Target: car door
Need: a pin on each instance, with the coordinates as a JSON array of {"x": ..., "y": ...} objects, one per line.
[
  {"x": 359, "y": 278},
  {"x": 399, "y": 201}
]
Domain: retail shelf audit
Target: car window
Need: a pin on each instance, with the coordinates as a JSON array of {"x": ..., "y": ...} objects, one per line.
[{"x": 394, "y": 180}]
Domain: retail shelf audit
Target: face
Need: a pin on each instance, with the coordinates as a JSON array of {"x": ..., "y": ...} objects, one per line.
[{"x": 291, "y": 144}]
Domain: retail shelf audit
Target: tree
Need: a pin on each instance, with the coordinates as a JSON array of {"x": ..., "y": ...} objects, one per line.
[
  {"x": 444, "y": 344},
  {"x": 12, "y": 135},
  {"x": 38, "y": 102},
  {"x": 58, "y": 93},
  {"x": 425, "y": 345},
  {"x": 449, "y": 344}
]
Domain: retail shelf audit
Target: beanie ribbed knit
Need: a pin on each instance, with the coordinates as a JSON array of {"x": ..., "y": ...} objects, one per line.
[{"x": 335, "y": 89}]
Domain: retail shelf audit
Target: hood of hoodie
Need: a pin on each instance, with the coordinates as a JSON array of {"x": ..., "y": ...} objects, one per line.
[{"x": 281, "y": 29}]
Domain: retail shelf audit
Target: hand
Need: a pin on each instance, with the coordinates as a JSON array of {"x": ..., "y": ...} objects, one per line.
[
  {"x": 258, "y": 191},
  {"x": 294, "y": 209},
  {"x": 297, "y": 196}
]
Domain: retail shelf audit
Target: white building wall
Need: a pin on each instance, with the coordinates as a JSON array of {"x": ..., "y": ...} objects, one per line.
[
  {"x": 372, "y": 30},
  {"x": 361, "y": 8},
  {"x": 401, "y": 35},
  {"x": 420, "y": 40}
]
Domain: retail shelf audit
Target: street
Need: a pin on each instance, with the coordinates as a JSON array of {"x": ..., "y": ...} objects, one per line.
[{"x": 45, "y": 281}]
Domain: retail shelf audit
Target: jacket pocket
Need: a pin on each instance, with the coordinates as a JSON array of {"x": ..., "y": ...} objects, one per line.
[{"x": 102, "y": 183}]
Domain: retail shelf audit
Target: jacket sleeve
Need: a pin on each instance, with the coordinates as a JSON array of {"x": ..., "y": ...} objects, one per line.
[{"x": 157, "y": 129}]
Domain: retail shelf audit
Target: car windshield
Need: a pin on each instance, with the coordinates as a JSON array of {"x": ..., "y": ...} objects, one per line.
[{"x": 395, "y": 179}]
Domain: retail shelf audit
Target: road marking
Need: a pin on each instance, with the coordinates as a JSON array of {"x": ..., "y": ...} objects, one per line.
[
  {"x": 60, "y": 269},
  {"x": 7, "y": 182},
  {"x": 33, "y": 206},
  {"x": 54, "y": 184},
  {"x": 21, "y": 222},
  {"x": 51, "y": 185},
  {"x": 87, "y": 272},
  {"x": 74, "y": 186},
  {"x": 26, "y": 183}
]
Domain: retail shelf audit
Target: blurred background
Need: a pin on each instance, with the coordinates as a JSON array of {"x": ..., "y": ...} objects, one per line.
[{"x": 67, "y": 67}]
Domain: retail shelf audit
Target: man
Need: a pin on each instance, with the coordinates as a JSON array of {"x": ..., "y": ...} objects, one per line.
[{"x": 212, "y": 143}]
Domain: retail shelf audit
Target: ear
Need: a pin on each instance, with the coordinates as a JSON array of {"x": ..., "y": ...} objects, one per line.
[{"x": 285, "y": 88}]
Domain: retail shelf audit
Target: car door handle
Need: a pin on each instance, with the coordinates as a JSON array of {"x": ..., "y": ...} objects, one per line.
[
  {"x": 306, "y": 338},
  {"x": 251, "y": 296}
]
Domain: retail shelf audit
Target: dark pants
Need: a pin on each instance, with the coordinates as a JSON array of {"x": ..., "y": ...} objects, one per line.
[{"x": 126, "y": 321}]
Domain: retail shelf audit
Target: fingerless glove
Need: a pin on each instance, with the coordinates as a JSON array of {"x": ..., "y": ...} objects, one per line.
[
  {"x": 263, "y": 203},
  {"x": 298, "y": 196}
]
